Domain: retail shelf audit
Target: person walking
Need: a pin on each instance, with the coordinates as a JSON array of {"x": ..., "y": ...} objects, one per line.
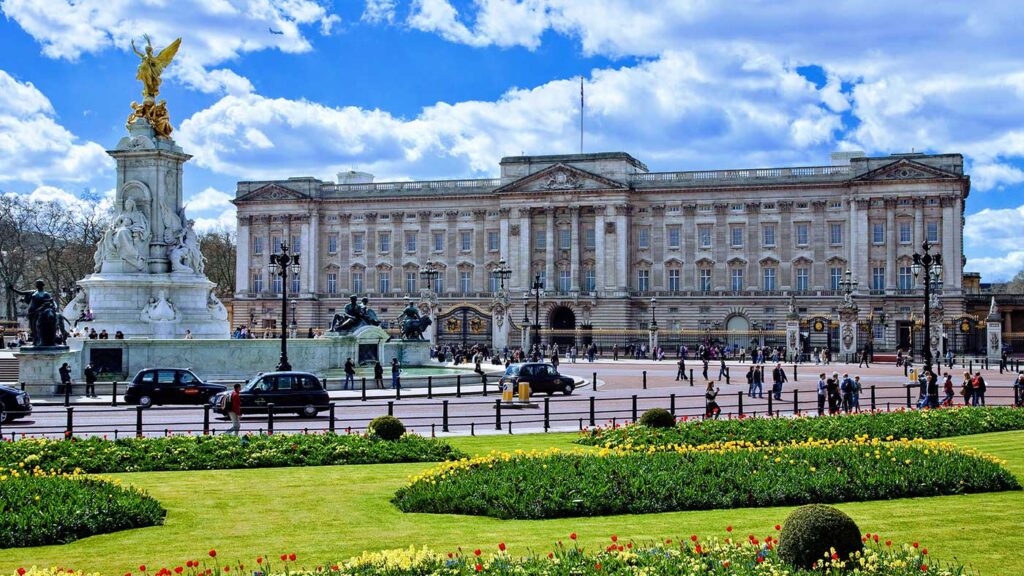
[
  {"x": 396, "y": 370},
  {"x": 1018, "y": 389},
  {"x": 705, "y": 361},
  {"x": 350, "y": 374},
  {"x": 846, "y": 388},
  {"x": 834, "y": 396},
  {"x": 681, "y": 371},
  {"x": 822, "y": 393},
  {"x": 711, "y": 407},
  {"x": 235, "y": 410},
  {"x": 90, "y": 380},
  {"x": 778, "y": 379},
  {"x": 857, "y": 389},
  {"x": 933, "y": 390},
  {"x": 722, "y": 368},
  {"x": 864, "y": 358},
  {"x": 947, "y": 388},
  {"x": 966, "y": 390},
  {"x": 378, "y": 375},
  {"x": 65, "y": 379},
  {"x": 979, "y": 385},
  {"x": 615, "y": 352}
]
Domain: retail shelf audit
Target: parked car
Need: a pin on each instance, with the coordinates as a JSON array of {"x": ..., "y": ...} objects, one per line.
[
  {"x": 14, "y": 404},
  {"x": 542, "y": 376},
  {"x": 298, "y": 392},
  {"x": 169, "y": 386}
]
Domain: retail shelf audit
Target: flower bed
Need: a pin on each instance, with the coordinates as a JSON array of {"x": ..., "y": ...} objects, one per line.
[
  {"x": 39, "y": 508},
  {"x": 689, "y": 556},
  {"x": 176, "y": 453},
  {"x": 942, "y": 423},
  {"x": 554, "y": 484}
]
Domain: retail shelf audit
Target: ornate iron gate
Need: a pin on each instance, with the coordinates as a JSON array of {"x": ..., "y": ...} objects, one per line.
[{"x": 465, "y": 325}]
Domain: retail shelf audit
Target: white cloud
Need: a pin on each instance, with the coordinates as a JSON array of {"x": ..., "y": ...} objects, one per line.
[
  {"x": 997, "y": 268},
  {"x": 208, "y": 199},
  {"x": 213, "y": 31},
  {"x": 996, "y": 236},
  {"x": 379, "y": 12},
  {"x": 34, "y": 147},
  {"x": 227, "y": 219}
]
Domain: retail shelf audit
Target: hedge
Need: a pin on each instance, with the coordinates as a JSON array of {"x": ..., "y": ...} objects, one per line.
[
  {"x": 177, "y": 453},
  {"x": 555, "y": 484},
  {"x": 941, "y": 423},
  {"x": 39, "y": 508}
]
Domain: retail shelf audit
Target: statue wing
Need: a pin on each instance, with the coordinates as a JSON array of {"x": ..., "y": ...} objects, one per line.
[{"x": 167, "y": 54}]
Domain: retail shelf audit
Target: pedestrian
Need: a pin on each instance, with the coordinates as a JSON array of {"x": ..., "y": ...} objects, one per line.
[
  {"x": 966, "y": 390},
  {"x": 750, "y": 381},
  {"x": 554, "y": 359},
  {"x": 758, "y": 388},
  {"x": 711, "y": 407},
  {"x": 822, "y": 393},
  {"x": 857, "y": 389},
  {"x": 572, "y": 354},
  {"x": 947, "y": 388},
  {"x": 378, "y": 375},
  {"x": 778, "y": 378},
  {"x": 933, "y": 389},
  {"x": 834, "y": 396},
  {"x": 396, "y": 370},
  {"x": 899, "y": 357},
  {"x": 722, "y": 369},
  {"x": 864, "y": 358},
  {"x": 235, "y": 410},
  {"x": 90, "y": 380},
  {"x": 1018, "y": 391},
  {"x": 65, "y": 379},
  {"x": 681, "y": 371},
  {"x": 949, "y": 359},
  {"x": 705, "y": 361},
  {"x": 978, "y": 384},
  {"x": 846, "y": 388},
  {"x": 615, "y": 352},
  {"x": 350, "y": 374}
]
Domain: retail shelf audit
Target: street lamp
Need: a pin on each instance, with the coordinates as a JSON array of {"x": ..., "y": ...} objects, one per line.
[
  {"x": 282, "y": 264},
  {"x": 502, "y": 273},
  {"x": 429, "y": 275},
  {"x": 931, "y": 265},
  {"x": 654, "y": 304},
  {"x": 537, "y": 287}
]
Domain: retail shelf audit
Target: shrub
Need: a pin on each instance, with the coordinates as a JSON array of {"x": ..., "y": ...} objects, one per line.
[
  {"x": 386, "y": 428},
  {"x": 554, "y": 484},
  {"x": 177, "y": 453},
  {"x": 941, "y": 423},
  {"x": 810, "y": 532},
  {"x": 41, "y": 509},
  {"x": 658, "y": 418}
]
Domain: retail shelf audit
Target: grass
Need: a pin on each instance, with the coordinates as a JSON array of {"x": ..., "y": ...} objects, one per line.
[{"x": 330, "y": 513}]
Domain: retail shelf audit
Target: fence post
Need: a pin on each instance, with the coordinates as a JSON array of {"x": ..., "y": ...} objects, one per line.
[
  {"x": 458, "y": 385},
  {"x": 645, "y": 382},
  {"x": 739, "y": 397},
  {"x": 796, "y": 402},
  {"x": 771, "y": 412},
  {"x": 593, "y": 421},
  {"x": 67, "y": 395},
  {"x": 594, "y": 382},
  {"x": 634, "y": 408},
  {"x": 113, "y": 397},
  {"x": 794, "y": 372},
  {"x": 430, "y": 387},
  {"x": 497, "y": 415},
  {"x": 672, "y": 404},
  {"x": 364, "y": 390},
  {"x": 138, "y": 421},
  {"x": 691, "y": 376},
  {"x": 398, "y": 390},
  {"x": 971, "y": 370},
  {"x": 71, "y": 423},
  {"x": 330, "y": 425},
  {"x": 270, "y": 419},
  {"x": 483, "y": 380},
  {"x": 908, "y": 396},
  {"x": 727, "y": 375},
  {"x": 547, "y": 413},
  {"x": 22, "y": 385},
  {"x": 391, "y": 408},
  {"x": 872, "y": 397},
  {"x": 905, "y": 369},
  {"x": 206, "y": 419},
  {"x": 444, "y": 416}
]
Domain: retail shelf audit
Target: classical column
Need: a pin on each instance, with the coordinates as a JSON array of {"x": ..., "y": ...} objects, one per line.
[
  {"x": 918, "y": 223},
  {"x": 575, "y": 248},
  {"x": 994, "y": 329},
  {"x": 950, "y": 278},
  {"x": 525, "y": 256},
  {"x": 601, "y": 280},
  {"x": 451, "y": 272},
  {"x": 890, "y": 246},
  {"x": 784, "y": 275},
  {"x": 854, "y": 247},
  {"x": 690, "y": 240},
  {"x": 244, "y": 250},
  {"x": 622, "y": 263},
  {"x": 860, "y": 265},
  {"x": 820, "y": 241},
  {"x": 268, "y": 249},
  {"x": 503, "y": 240},
  {"x": 721, "y": 248},
  {"x": 549, "y": 253},
  {"x": 479, "y": 253},
  {"x": 397, "y": 252},
  {"x": 370, "y": 253},
  {"x": 312, "y": 263}
]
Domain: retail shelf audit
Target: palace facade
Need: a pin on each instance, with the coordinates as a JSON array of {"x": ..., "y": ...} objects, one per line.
[{"x": 709, "y": 250}]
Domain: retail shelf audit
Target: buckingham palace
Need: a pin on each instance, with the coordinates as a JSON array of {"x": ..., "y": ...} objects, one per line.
[{"x": 615, "y": 246}]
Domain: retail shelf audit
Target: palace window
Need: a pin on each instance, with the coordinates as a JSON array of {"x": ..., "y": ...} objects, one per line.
[
  {"x": 878, "y": 233},
  {"x": 540, "y": 239},
  {"x": 257, "y": 282},
  {"x": 904, "y": 278},
  {"x": 835, "y": 233},
  {"x": 589, "y": 237},
  {"x": 465, "y": 281},
  {"x": 544, "y": 278},
  {"x": 357, "y": 281},
  {"x": 384, "y": 281},
  {"x": 878, "y": 278},
  {"x": 278, "y": 284},
  {"x": 802, "y": 234},
  {"x": 296, "y": 245},
  {"x": 643, "y": 280},
  {"x": 802, "y": 279},
  {"x": 275, "y": 242},
  {"x": 769, "y": 234},
  {"x": 332, "y": 243},
  {"x": 736, "y": 279},
  {"x": 332, "y": 283},
  {"x": 644, "y": 237},
  {"x": 768, "y": 279},
  {"x": 493, "y": 244},
  {"x": 438, "y": 240},
  {"x": 257, "y": 245},
  {"x": 675, "y": 234},
  {"x": 358, "y": 242},
  {"x": 439, "y": 283},
  {"x": 493, "y": 282},
  {"x": 564, "y": 280},
  {"x": 465, "y": 240},
  {"x": 835, "y": 276},
  {"x": 905, "y": 234},
  {"x": 384, "y": 242},
  {"x": 296, "y": 283},
  {"x": 589, "y": 280},
  {"x": 704, "y": 280},
  {"x": 931, "y": 231},
  {"x": 704, "y": 235},
  {"x": 736, "y": 236},
  {"x": 410, "y": 281},
  {"x": 410, "y": 242}
]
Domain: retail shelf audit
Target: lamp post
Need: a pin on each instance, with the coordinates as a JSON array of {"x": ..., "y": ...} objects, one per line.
[
  {"x": 931, "y": 265},
  {"x": 282, "y": 264},
  {"x": 537, "y": 287},
  {"x": 654, "y": 304},
  {"x": 502, "y": 273},
  {"x": 429, "y": 275}
]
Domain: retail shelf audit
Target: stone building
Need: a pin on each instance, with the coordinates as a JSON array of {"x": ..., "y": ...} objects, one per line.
[{"x": 718, "y": 249}]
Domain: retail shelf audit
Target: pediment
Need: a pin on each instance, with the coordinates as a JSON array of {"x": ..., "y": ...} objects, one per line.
[
  {"x": 905, "y": 169},
  {"x": 561, "y": 178},
  {"x": 272, "y": 192}
]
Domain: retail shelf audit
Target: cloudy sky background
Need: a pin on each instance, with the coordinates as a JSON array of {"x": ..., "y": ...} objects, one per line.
[{"x": 419, "y": 89}]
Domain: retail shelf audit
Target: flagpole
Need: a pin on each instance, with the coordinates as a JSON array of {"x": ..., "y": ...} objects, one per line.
[{"x": 581, "y": 114}]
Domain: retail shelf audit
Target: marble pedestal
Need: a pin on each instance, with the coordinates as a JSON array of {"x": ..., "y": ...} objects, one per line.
[
  {"x": 117, "y": 301},
  {"x": 39, "y": 367}
]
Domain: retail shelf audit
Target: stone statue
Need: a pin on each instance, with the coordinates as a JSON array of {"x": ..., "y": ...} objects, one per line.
[
  {"x": 354, "y": 315},
  {"x": 151, "y": 67},
  {"x": 173, "y": 222},
  {"x": 179, "y": 256},
  {"x": 993, "y": 310},
  {"x": 126, "y": 239},
  {"x": 156, "y": 115},
  {"x": 159, "y": 309},
  {"x": 216, "y": 307},
  {"x": 45, "y": 325},
  {"x": 369, "y": 316},
  {"x": 191, "y": 243},
  {"x": 413, "y": 324},
  {"x": 77, "y": 307}
]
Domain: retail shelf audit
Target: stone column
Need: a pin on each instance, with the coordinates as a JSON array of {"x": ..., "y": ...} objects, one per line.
[
  {"x": 370, "y": 253},
  {"x": 652, "y": 339},
  {"x": 599, "y": 255},
  {"x": 243, "y": 252},
  {"x": 268, "y": 249},
  {"x": 951, "y": 278},
  {"x": 690, "y": 241},
  {"x": 503, "y": 243},
  {"x": 500, "y": 322},
  {"x": 994, "y": 336},
  {"x": 848, "y": 329},
  {"x": 622, "y": 263},
  {"x": 575, "y": 249},
  {"x": 525, "y": 253},
  {"x": 793, "y": 336},
  {"x": 312, "y": 260},
  {"x": 397, "y": 252},
  {"x": 549, "y": 253},
  {"x": 481, "y": 276},
  {"x": 784, "y": 240},
  {"x": 890, "y": 246},
  {"x": 859, "y": 266},
  {"x": 918, "y": 223}
]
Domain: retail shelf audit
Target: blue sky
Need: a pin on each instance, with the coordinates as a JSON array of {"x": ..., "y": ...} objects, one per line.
[{"x": 444, "y": 88}]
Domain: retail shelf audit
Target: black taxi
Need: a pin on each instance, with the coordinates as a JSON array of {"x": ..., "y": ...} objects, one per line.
[{"x": 301, "y": 393}]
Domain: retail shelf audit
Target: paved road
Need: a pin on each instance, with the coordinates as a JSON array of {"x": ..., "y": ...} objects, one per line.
[{"x": 613, "y": 401}]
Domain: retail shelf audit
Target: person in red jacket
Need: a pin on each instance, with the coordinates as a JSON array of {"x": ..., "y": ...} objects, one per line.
[{"x": 235, "y": 410}]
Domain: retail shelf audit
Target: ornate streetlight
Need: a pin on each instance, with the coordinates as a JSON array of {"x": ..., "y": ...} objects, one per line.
[
  {"x": 654, "y": 304},
  {"x": 429, "y": 275},
  {"x": 931, "y": 265},
  {"x": 282, "y": 264},
  {"x": 537, "y": 287},
  {"x": 502, "y": 273}
]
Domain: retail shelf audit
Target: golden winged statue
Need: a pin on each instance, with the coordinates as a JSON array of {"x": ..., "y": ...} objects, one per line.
[{"x": 152, "y": 66}]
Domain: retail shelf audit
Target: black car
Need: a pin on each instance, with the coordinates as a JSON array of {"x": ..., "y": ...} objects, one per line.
[
  {"x": 542, "y": 376},
  {"x": 298, "y": 392},
  {"x": 169, "y": 386},
  {"x": 14, "y": 404}
]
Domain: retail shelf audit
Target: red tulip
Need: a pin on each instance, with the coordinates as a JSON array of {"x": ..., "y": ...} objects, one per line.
[
  {"x": 728, "y": 528},
  {"x": 572, "y": 536},
  {"x": 291, "y": 557},
  {"x": 479, "y": 568},
  {"x": 476, "y": 552},
  {"x": 213, "y": 553},
  {"x": 778, "y": 527},
  {"x": 142, "y": 568},
  {"x": 924, "y": 567},
  {"x": 551, "y": 555},
  {"x": 597, "y": 566},
  {"x": 21, "y": 572},
  {"x": 924, "y": 551},
  {"x": 615, "y": 538},
  {"x": 693, "y": 538},
  {"x": 178, "y": 569},
  {"x": 450, "y": 555},
  {"x": 259, "y": 559},
  {"x": 227, "y": 569},
  {"x": 501, "y": 546}
]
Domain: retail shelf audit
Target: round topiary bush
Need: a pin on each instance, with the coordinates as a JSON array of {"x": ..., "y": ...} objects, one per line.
[
  {"x": 812, "y": 531},
  {"x": 658, "y": 418},
  {"x": 386, "y": 428}
]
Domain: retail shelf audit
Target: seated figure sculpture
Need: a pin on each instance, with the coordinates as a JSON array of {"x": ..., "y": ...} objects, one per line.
[{"x": 350, "y": 318}]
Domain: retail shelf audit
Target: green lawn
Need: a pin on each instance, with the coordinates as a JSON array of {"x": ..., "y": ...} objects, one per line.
[{"x": 327, "y": 514}]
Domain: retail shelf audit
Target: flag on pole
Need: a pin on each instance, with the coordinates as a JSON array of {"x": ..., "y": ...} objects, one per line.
[{"x": 581, "y": 114}]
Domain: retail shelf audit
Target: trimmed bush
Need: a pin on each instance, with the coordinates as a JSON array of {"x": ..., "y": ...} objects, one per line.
[
  {"x": 555, "y": 484},
  {"x": 658, "y": 418},
  {"x": 387, "y": 428},
  {"x": 177, "y": 453},
  {"x": 941, "y": 423},
  {"x": 811, "y": 532},
  {"x": 41, "y": 509}
]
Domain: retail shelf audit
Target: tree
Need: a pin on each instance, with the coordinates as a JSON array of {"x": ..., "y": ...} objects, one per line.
[
  {"x": 15, "y": 223},
  {"x": 219, "y": 251}
]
